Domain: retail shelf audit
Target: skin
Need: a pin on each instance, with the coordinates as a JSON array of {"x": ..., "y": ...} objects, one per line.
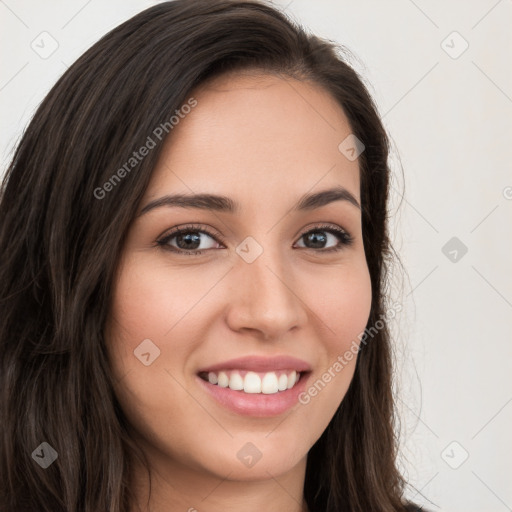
[{"x": 263, "y": 141}]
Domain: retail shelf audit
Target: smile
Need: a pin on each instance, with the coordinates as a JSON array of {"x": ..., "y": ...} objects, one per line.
[
  {"x": 253, "y": 382},
  {"x": 258, "y": 386}
]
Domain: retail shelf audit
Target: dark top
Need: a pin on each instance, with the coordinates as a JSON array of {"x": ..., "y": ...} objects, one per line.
[{"x": 411, "y": 507}]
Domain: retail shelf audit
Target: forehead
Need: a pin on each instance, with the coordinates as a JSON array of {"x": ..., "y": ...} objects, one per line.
[{"x": 257, "y": 136}]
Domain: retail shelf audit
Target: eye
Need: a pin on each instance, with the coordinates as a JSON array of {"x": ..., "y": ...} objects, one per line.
[
  {"x": 317, "y": 238},
  {"x": 189, "y": 238}
]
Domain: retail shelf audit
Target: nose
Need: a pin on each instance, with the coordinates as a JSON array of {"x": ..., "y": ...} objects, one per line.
[{"x": 265, "y": 298}]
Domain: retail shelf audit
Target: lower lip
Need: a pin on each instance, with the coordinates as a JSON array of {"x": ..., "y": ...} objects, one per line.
[{"x": 256, "y": 404}]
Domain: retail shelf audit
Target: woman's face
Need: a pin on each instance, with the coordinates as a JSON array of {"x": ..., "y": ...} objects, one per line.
[{"x": 248, "y": 297}]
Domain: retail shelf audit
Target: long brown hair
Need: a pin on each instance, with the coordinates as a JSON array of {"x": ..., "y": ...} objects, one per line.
[{"x": 60, "y": 244}]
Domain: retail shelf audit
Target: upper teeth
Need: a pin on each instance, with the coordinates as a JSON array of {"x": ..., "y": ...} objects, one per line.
[{"x": 252, "y": 382}]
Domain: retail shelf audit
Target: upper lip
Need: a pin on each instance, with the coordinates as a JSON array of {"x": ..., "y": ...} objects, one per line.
[{"x": 260, "y": 364}]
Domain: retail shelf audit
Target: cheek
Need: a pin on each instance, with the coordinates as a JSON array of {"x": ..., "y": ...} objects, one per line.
[
  {"x": 342, "y": 302},
  {"x": 342, "y": 305},
  {"x": 353, "y": 311},
  {"x": 138, "y": 313},
  {"x": 146, "y": 312},
  {"x": 154, "y": 302}
]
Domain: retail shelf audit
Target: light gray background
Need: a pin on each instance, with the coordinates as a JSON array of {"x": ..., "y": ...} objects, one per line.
[{"x": 450, "y": 117}]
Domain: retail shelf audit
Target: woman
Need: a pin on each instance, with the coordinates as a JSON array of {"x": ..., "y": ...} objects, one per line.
[{"x": 194, "y": 241}]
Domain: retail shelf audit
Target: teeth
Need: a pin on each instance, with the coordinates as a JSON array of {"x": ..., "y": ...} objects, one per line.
[
  {"x": 282, "y": 382},
  {"x": 236, "y": 382},
  {"x": 252, "y": 382},
  {"x": 269, "y": 384},
  {"x": 223, "y": 380},
  {"x": 292, "y": 379}
]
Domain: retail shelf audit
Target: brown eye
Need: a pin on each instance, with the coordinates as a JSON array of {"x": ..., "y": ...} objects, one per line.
[
  {"x": 319, "y": 237},
  {"x": 190, "y": 239}
]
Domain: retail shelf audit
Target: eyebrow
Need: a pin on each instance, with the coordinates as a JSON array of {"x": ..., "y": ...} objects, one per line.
[{"x": 225, "y": 204}]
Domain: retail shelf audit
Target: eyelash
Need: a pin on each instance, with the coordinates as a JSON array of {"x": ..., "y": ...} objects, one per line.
[{"x": 343, "y": 236}]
